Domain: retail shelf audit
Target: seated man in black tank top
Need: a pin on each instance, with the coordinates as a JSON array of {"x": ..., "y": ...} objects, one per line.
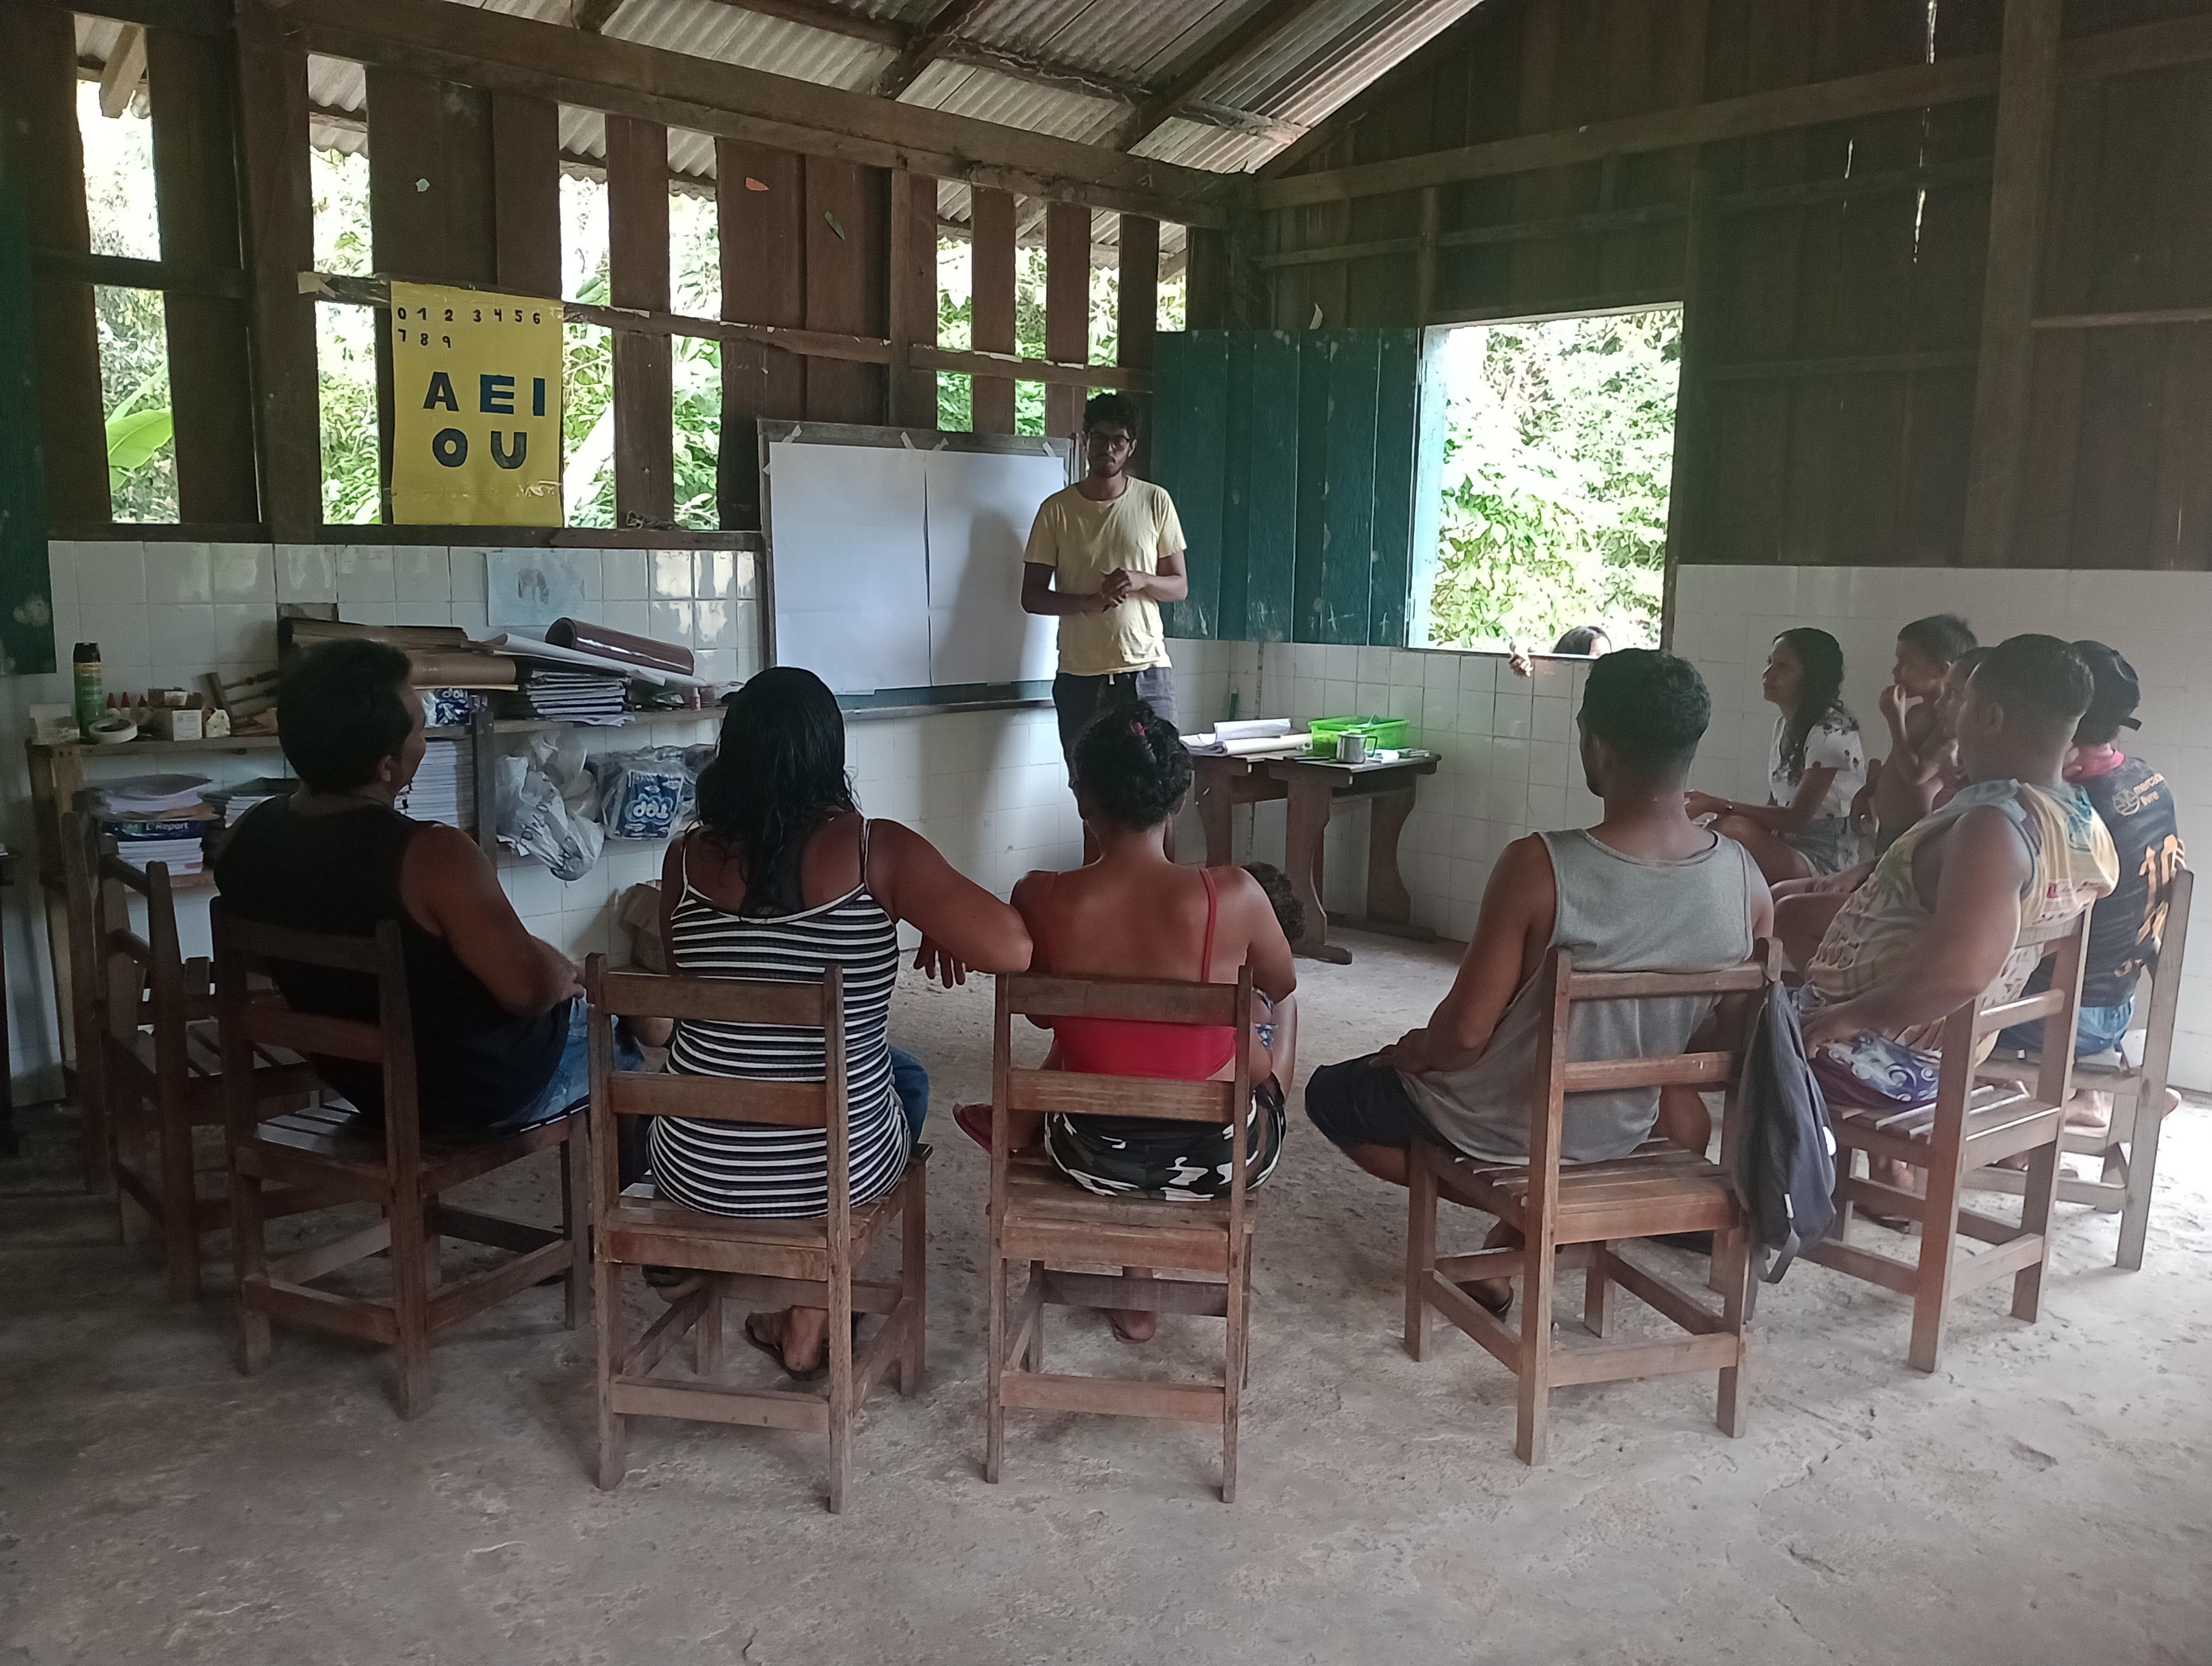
[{"x": 499, "y": 1034}]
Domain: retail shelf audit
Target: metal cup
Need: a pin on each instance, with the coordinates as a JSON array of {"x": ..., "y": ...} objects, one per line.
[{"x": 1351, "y": 746}]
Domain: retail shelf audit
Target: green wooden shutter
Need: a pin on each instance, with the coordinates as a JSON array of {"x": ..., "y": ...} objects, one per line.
[
  {"x": 1293, "y": 461},
  {"x": 27, "y": 612}
]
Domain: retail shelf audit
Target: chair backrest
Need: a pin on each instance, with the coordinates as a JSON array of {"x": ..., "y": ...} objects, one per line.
[
  {"x": 1152, "y": 1001},
  {"x": 2166, "y": 977},
  {"x": 1557, "y": 1075},
  {"x": 122, "y": 981},
  {"x": 818, "y": 1005},
  {"x": 2059, "y": 1007},
  {"x": 253, "y": 1015}
]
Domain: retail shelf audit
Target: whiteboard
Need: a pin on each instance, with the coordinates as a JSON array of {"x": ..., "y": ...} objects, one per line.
[
  {"x": 851, "y": 564},
  {"x": 895, "y": 555}
]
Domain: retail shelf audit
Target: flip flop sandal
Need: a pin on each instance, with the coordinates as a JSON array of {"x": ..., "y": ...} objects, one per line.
[
  {"x": 1123, "y": 1336},
  {"x": 671, "y": 1284},
  {"x": 975, "y": 1121},
  {"x": 1496, "y": 1310}
]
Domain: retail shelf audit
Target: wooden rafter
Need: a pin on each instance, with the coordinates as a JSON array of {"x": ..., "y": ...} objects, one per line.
[
  {"x": 591, "y": 16},
  {"x": 124, "y": 71},
  {"x": 921, "y": 50},
  {"x": 1262, "y": 23}
]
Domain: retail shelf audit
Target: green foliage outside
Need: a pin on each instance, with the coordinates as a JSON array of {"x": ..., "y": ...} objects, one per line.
[
  {"x": 134, "y": 348},
  {"x": 1557, "y": 454}
]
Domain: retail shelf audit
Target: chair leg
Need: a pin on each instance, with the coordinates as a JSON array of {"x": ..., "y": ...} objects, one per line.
[
  {"x": 1594, "y": 1291},
  {"x": 1938, "y": 1268},
  {"x": 1236, "y": 1339},
  {"x": 410, "y": 1301},
  {"x": 841, "y": 1391},
  {"x": 2037, "y": 1202},
  {"x": 1033, "y": 1356},
  {"x": 576, "y": 1187},
  {"x": 2141, "y": 1174},
  {"x": 180, "y": 1235},
  {"x": 133, "y": 1224},
  {"x": 706, "y": 1330},
  {"x": 249, "y": 1253},
  {"x": 994, "y": 1367},
  {"x": 1533, "y": 1434},
  {"x": 1734, "y": 1413},
  {"x": 914, "y": 1275},
  {"x": 606, "y": 1315},
  {"x": 1420, "y": 1246}
]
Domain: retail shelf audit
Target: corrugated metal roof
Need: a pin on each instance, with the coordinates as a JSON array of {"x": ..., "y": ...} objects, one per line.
[{"x": 1291, "y": 81}]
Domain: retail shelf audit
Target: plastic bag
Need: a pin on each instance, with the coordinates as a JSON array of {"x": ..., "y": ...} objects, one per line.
[
  {"x": 549, "y": 806},
  {"x": 644, "y": 793}
]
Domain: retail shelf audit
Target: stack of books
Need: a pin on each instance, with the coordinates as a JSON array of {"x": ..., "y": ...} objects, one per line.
[
  {"x": 574, "y": 696},
  {"x": 442, "y": 790},
  {"x": 158, "y": 818},
  {"x": 234, "y": 801}
]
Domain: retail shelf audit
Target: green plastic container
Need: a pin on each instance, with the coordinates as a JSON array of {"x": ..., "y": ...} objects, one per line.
[{"x": 1383, "y": 733}]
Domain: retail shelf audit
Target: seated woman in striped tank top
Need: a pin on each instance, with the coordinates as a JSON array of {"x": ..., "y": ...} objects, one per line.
[
  {"x": 1136, "y": 913},
  {"x": 783, "y": 879}
]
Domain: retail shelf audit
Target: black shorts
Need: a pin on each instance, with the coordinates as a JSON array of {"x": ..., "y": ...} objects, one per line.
[
  {"x": 1361, "y": 1102},
  {"x": 1077, "y": 701}
]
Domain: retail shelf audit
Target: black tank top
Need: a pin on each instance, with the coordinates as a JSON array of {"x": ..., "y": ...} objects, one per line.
[{"x": 476, "y": 1063}]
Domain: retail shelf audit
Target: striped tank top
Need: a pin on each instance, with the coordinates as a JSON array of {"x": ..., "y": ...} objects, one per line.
[{"x": 749, "y": 1169}]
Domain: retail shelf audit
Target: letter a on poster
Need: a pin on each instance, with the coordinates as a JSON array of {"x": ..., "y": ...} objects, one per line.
[{"x": 475, "y": 408}]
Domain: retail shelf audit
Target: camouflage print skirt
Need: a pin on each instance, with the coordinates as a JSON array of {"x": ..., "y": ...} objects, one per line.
[{"x": 1125, "y": 1156}]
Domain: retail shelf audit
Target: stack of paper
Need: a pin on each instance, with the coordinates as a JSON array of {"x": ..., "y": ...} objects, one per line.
[
  {"x": 574, "y": 696},
  {"x": 1252, "y": 737},
  {"x": 180, "y": 855},
  {"x": 143, "y": 798},
  {"x": 235, "y": 801},
  {"x": 442, "y": 790},
  {"x": 157, "y": 818}
]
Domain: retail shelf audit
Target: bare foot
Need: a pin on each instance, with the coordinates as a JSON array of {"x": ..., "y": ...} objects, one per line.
[
  {"x": 800, "y": 1333},
  {"x": 1133, "y": 1325},
  {"x": 2090, "y": 1111}
]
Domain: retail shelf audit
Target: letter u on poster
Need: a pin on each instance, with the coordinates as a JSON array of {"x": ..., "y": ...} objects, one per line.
[{"x": 475, "y": 408}]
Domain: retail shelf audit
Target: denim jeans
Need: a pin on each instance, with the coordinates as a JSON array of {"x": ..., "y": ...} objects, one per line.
[
  {"x": 911, "y": 1083},
  {"x": 2098, "y": 1030}
]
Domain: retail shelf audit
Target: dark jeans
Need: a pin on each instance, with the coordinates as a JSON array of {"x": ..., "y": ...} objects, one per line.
[
  {"x": 911, "y": 1083},
  {"x": 1080, "y": 700}
]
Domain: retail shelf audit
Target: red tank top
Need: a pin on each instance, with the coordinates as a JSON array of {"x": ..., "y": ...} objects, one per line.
[{"x": 1139, "y": 1047}]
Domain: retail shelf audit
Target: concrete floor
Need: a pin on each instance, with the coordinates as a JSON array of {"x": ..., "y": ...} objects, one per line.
[{"x": 2047, "y": 1497}]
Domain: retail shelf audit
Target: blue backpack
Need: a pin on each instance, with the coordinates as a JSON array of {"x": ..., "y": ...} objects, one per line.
[{"x": 1785, "y": 1159}]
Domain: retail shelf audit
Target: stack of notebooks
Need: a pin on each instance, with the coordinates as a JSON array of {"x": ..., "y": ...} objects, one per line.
[
  {"x": 575, "y": 695},
  {"x": 158, "y": 818},
  {"x": 235, "y": 801},
  {"x": 442, "y": 791}
]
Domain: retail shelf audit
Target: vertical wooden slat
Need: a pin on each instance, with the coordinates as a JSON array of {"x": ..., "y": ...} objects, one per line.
[
  {"x": 196, "y": 199},
  {"x": 991, "y": 265},
  {"x": 1198, "y": 479},
  {"x": 1692, "y": 404},
  {"x": 1067, "y": 309},
  {"x": 42, "y": 154},
  {"x": 637, "y": 276},
  {"x": 1229, "y": 619},
  {"x": 1397, "y": 433},
  {"x": 1271, "y": 508},
  {"x": 846, "y": 284},
  {"x": 913, "y": 296},
  {"x": 1348, "y": 517},
  {"x": 430, "y": 176},
  {"x": 1137, "y": 318},
  {"x": 1205, "y": 296},
  {"x": 761, "y": 200},
  {"x": 280, "y": 224},
  {"x": 2027, "y": 86},
  {"x": 1315, "y": 347},
  {"x": 526, "y": 156},
  {"x": 27, "y": 636}
]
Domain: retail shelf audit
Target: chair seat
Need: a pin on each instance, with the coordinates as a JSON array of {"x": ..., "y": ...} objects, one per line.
[
  {"x": 1050, "y": 1218},
  {"x": 341, "y": 1141},
  {"x": 1657, "y": 1188},
  {"x": 644, "y": 1231},
  {"x": 1998, "y": 1114}
]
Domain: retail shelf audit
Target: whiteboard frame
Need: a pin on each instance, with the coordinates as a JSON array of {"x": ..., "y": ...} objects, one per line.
[{"x": 881, "y": 437}]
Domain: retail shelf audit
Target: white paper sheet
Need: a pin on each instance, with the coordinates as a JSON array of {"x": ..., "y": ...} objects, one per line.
[
  {"x": 981, "y": 505},
  {"x": 851, "y": 576}
]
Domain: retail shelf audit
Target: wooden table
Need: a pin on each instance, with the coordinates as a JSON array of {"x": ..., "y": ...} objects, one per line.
[{"x": 1313, "y": 786}]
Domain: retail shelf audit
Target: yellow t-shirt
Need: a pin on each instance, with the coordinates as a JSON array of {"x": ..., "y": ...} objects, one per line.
[{"x": 1082, "y": 542}]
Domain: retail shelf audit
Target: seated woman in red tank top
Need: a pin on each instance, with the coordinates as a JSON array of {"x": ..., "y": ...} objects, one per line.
[{"x": 1133, "y": 913}]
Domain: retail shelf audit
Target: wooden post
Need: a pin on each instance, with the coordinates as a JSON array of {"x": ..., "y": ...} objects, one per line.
[
  {"x": 280, "y": 235},
  {"x": 41, "y": 154},
  {"x": 991, "y": 265},
  {"x": 1207, "y": 265},
  {"x": 1137, "y": 318},
  {"x": 913, "y": 297},
  {"x": 1067, "y": 308},
  {"x": 525, "y": 161},
  {"x": 2027, "y": 103},
  {"x": 196, "y": 199},
  {"x": 637, "y": 276},
  {"x": 1691, "y": 400},
  {"x": 848, "y": 266},
  {"x": 760, "y": 199},
  {"x": 1424, "y": 301}
]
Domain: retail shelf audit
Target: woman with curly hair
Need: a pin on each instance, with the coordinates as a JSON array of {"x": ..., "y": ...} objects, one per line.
[{"x": 1818, "y": 766}]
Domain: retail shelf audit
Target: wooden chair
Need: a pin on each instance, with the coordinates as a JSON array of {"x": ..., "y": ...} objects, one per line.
[
  {"x": 1968, "y": 1124},
  {"x": 1570, "y": 1217},
  {"x": 2129, "y": 1147},
  {"x": 338, "y": 1153},
  {"x": 768, "y": 1264},
  {"x": 149, "y": 1057},
  {"x": 1041, "y": 1218}
]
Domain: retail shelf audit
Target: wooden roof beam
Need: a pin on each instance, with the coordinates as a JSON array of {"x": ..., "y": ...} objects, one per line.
[
  {"x": 923, "y": 49},
  {"x": 125, "y": 72},
  {"x": 1262, "y": 24},
  {"x": 592, "y": 16}
]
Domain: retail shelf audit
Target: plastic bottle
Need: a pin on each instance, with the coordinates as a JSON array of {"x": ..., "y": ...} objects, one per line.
[{"x": 84, "y": 669}]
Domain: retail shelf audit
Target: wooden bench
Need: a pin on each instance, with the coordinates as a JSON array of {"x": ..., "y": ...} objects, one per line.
[
  {"x": 1968, "y": 1124},
  {"x": 1572, "y": 1217},
  {"x": 343, "y": 1156},
  {"x": 1040, "y": 1218},
  {"x": 769, "y": 1263}
]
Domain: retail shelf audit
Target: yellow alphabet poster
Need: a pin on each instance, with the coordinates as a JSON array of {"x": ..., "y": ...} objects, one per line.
[{"x": 475, "y": 408}]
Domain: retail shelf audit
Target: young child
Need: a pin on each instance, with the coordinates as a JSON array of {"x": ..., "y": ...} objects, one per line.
[
  {"x": 1275, "y": 1023},
  {"x": 1902, "y": 789}
]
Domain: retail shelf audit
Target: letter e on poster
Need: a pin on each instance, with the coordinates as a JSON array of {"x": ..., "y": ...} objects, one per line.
[{"x": 475, "y": 408}]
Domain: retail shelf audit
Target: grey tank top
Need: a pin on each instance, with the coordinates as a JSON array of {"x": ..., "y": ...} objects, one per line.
[{"x": 1616, "y": 914}]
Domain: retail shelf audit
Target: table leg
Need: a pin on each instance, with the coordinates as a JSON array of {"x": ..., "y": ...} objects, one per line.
[
  {"x": 1213, "y": 815},
  {"x": 1387, "y": 899},
  {"x": 1309, "y": 808}
]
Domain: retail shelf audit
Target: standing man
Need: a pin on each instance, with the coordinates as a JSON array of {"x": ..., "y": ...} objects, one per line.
[{"x": 1104, "y": 555}]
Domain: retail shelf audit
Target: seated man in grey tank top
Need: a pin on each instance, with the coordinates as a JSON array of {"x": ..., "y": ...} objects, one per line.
[{"x": 1644, "y": 890}]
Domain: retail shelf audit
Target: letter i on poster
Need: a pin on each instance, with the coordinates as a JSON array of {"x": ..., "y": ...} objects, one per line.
[{"x": 475, "y": 408}]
